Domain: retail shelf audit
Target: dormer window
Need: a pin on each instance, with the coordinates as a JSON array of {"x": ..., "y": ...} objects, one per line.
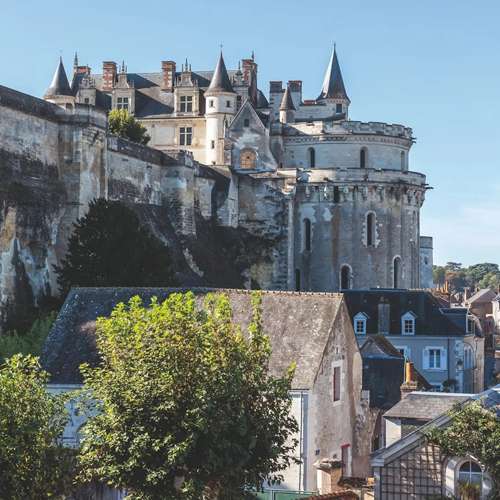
[
  {"x": 360, "y": 323},
  {"x": 186, "y": 104},
  {"x": 122, "y": 103},
  {"x": 408, "y": 324}
]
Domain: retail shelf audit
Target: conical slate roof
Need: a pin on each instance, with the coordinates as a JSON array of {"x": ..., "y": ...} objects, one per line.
[
  {"x": 220, "y": 80},
  {"x": 59, "y": 85},
  {"x": 333, "y": 86},
  {"x": 287, "y": 102}
]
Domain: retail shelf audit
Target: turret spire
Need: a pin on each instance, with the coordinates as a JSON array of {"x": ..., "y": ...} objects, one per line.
[
  {"x": 220, "y": 80},
  {"x": 287, "y": 102},
  {"x": 333, "y": 86},
  {"x": 59, "y": 85}
]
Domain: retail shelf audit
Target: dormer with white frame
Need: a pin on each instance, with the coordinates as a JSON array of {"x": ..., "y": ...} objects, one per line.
[
  {"x": 408, "y": 323},
  {"x": 360, "y": 323}
]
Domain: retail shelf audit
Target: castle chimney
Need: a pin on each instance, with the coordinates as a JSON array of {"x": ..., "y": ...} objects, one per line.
[
  {"x": 384, "y": 316},
  {"x": 109, "y": 75},
  {"x": 168, "y": 69},
  {"x": 411, "y": 383}
]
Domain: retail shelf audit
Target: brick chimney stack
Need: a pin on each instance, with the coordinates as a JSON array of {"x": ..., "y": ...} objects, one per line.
[
  {"x": 411, "y": 383},
  {"x": 109, "y": 75},
  {"x": 168, "y": 69}
]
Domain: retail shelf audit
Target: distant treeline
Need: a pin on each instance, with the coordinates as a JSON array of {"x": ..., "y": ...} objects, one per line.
[{"x": 485, "y": 275}]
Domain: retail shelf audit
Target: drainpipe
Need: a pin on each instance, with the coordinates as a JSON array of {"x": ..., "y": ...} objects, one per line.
[{"x": 301, "y": 440}]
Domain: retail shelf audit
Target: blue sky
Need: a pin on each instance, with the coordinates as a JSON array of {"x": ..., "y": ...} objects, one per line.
[{"x": 430, "y": 65}]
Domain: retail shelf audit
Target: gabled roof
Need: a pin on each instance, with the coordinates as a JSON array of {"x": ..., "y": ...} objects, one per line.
[
  {"x": 333, "y": 86},
  {"x": 484, "y": 295},
  {"x": 60, "y": 85},
  {"x": 424, "y": 405},
  {"x": 220, "y": 79},
  {"x": 429, "y": 319},
  {"x": 379, "y": 345},
  {"x": 287, "y": 102},
  {"x": 285, "y": 318}
]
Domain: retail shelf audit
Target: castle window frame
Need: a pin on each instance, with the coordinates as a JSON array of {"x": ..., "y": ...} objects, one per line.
[
  {"x": 336, "y": 194},
  {"x": 360, "y": 323},
  {"x": 212, "y": 144},
  {"x": 403, "y": 161},
  {"x": 363, "y": 153},
  {"x": 246, "y": 122},
  {"x": 297, "y": 280},
  {"x": 185, "y": 136},
  {"x": 371, "y": 229},
  {"x": 396, "y": 269},
  {"x": 238, "y": 102},
  {"x": 211, "y": 103},
  {"x": 336, "y": 383},
  {"x": 307, "y": 235},
  {"x": 338, "y": 108},
  {"x": 186, "y": 104},
  {"x": 248, "y": 159},
  {"x": 345, "y": 277},
  {"x": 408, "y": 323},
  {"x": 228, "y": 104},
  {"x": 311, "y": 153},
  {"x": 122, "y": 103}
]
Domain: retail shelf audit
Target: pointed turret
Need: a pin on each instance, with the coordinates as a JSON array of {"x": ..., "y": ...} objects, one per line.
[
  {"x": 287, "y": 108},
  {"x": 220, "y": 80},
  {"x": 333, "y": 86},
  {"x": 60, "y": 85}
]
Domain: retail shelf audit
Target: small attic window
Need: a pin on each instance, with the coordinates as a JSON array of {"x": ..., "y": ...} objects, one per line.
[
  {"x": 246, "y": 123},
  {"x": 338, "y": 108},
  {"x": 360, "y": 323},
  {"x": 408, "y": 324}
]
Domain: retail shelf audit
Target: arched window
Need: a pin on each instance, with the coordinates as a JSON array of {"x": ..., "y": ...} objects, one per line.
[
  {"x": 312, "y": 157},
  {"x": 362, "y": 158},
  {"x": 345, "y": 280},
  {"x": 470, "y": 472},
  {"x": 307, "y": 235},
  {"x": 370, "y": 229},
  {"x": 397, "y": 273},
  {"x": 248, "y": 159},
  {"x": 297, "y": 280},
  {"x": 403, "y": 162}
]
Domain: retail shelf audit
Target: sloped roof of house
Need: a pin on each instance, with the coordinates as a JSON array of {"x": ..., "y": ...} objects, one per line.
[
  {"x": 484, "y": 295},
  {"x": 379, "y": 345},
  {"x": 424, "y": 405},
  {"x": 299, "y": 326},
  {"x": 429, "y": 319}
]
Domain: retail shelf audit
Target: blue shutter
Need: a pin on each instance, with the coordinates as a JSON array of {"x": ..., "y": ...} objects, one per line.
[{"x": 425, "y": 359}]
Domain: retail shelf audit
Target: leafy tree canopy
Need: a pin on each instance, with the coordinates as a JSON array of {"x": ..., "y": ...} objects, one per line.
[
  {"x": 33, "y": 462},
  {"x": 453, "y": 266},
  {"x": 477, "y": 272},
  {"x": 108, "y": 247},
  {"x": 186, "y": 408},
  {"x": 32, "y": 342},
  {"x": 475, "y": 432},
  {"x": 123, "y": 124}
]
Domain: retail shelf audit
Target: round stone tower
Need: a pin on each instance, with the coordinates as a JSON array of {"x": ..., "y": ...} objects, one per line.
[{"x": 220, "y": 109}]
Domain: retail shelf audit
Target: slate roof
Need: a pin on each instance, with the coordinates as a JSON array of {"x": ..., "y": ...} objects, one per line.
[
  {"x": 333, "y": 86},
  {"x": 60, "y": 84},
  {"x": 429, "y": 320},
  {"x": 287, "y": 102},
  {"x": 484, "y": 295},
  {"x": 424, "y": 405},
  {"x": 299, "y": 325},
  {"x": 220, "y": 79},
  {"x": 379, "y": 345}
]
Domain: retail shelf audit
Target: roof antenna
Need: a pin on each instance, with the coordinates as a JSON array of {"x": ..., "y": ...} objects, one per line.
[{"x": 334, "y": 35}]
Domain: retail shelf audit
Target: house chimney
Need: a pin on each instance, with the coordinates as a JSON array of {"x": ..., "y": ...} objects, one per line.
[
  {"x": 109, "y": 75},
  {"x": 411, "y": 383},
  {"x": 467, "y": 293},
  {"x": 168, "y": 69},
  {"x": 384, "y": 316}
]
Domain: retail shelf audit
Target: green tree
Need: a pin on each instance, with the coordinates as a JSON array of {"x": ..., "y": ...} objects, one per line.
[
  {"x": 438, "y": 274},
  {"x": 33, "y": 462},
  {"x": 186, "y": 407},
  {"x": 490, "y": 280},
  {"x": 123, "y": 124},
  {"x": 474, "y": 431},
  {"x": 477, "y": 272},
  {"x": 108, "y": 247},
  {"x": 453, "y": 266},
  {"x": 32, "y": 342}
]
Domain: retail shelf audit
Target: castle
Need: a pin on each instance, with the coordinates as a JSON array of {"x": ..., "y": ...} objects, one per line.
[{"x": 314, "y": 201}]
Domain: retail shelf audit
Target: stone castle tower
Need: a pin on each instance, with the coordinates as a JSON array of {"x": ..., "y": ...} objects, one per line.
[{"x": 288, "y": 193}]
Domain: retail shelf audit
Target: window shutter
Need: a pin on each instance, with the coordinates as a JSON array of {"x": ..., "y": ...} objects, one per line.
[
  {"x": 425, "y": 360},
  {"x": 444, "y": 363},
  {"x": 408, "y": 353}
]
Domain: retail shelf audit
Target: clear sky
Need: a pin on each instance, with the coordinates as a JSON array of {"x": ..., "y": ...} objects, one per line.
[{"x": 430, "y": 65}]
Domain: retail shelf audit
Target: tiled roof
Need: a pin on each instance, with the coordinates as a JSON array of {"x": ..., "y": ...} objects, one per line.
[
  {"x": 333, "y": 86},
  {"x": 60, "y": 85},
  {"x": 299, "y": 325},
  {"x": 424, "y": 405}
]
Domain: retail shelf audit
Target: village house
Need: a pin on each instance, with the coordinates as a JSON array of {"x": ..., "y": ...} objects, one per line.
[
  {"x": 333, "y": 412},
  {"x": 438, "y": 339}
]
